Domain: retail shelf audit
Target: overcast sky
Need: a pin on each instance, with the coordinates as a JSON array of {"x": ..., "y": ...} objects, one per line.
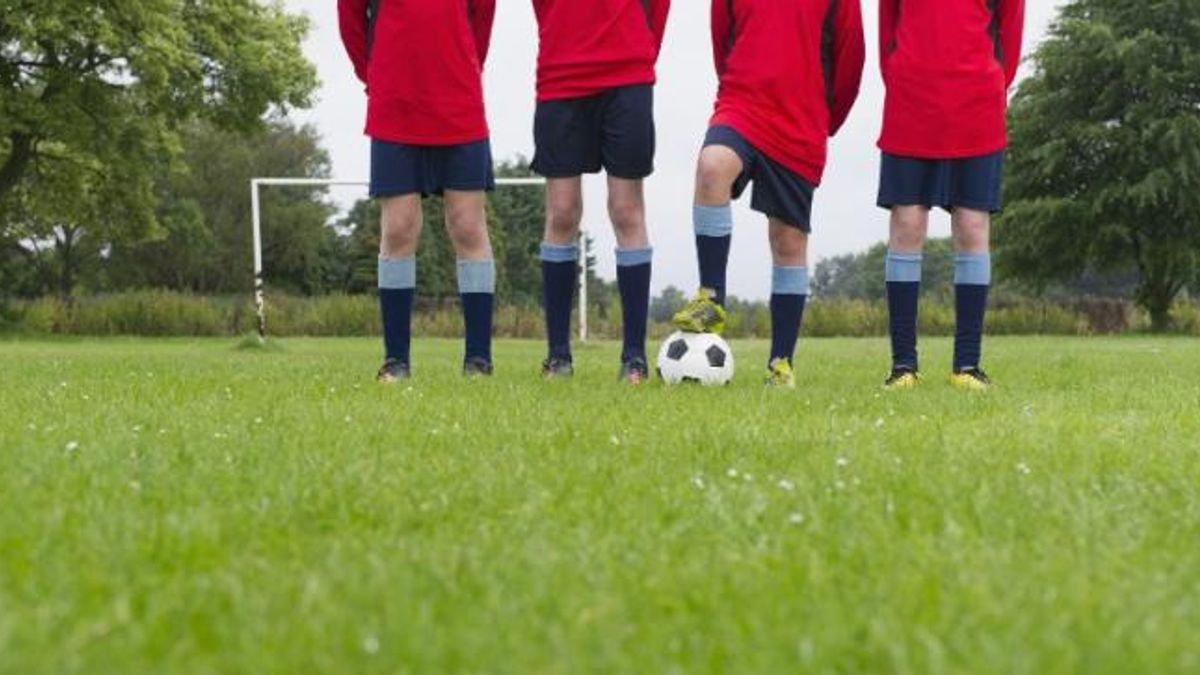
[{"x": 845, "y": 218}]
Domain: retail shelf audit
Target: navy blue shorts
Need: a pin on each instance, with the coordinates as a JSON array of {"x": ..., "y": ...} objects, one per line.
[
  {"x": 398, "y": 169},
  {"x": 613, "y": 130},
  {"x": 778, "y": 192},
  {"x": 972, "y": 183}
]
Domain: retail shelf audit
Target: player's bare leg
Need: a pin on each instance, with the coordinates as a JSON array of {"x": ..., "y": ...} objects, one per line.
[
  {"x": 716, "y": 171},
  {"x": 972, "y": 279},
  {"x": 560, "y": 271},
  {"x": 466, "y": 224},
  {"x": 627, "y": 211},
  {"x": 908, "y": 229},
  {"x": 400, "y": 232}
]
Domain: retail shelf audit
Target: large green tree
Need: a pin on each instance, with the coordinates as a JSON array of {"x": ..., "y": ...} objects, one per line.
[
  {"x": 1104, "y": 169},
  {"x": 204, "y": 243},
  {"x": 92, "y": 93}
]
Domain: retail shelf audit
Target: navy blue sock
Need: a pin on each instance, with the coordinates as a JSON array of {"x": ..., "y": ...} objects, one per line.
[
  {"x": 633, "y": 281},
  {"x": 789, "y": 294},
  {"x": 397, "y": 286},
  {"x": 477, "y": 288},
  {"x": 395, "y": 308},
  {"x": 714, "y": 236},
  {"x": 477, "y": 309},
  {"x": 560, "y": 277},
  {"x": 972, "y": 279},
  {"x": 903, "y": 294}
]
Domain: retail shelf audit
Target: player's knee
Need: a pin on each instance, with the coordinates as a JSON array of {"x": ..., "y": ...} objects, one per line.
[
  {"x": 467, "y": 228},
  {"x": 628, "y": 215},
  {"x": 714, "y": 177},
  {"x": 789, "y": 246},
  {"x": 972, "y": 230},
  {"x": 399, "y": 235},
  {"x": 908, "y": 228},
  {"x": 468, "y": 236},
  {"x": 562, "y": 221}
]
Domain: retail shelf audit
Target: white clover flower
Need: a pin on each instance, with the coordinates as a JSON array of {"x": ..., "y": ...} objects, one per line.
[
  {"x": 786, "y": 485},
  {"x": 796, "y": 519},
  {"x": 1023, "y": 469},
  {"x": 732, "y": 472},
  {"x": 842, "y": 462},
  {"x": 698, "y": 481},
  {"x": 370, "y": 645},
  {"x": 72, "y": 446}
]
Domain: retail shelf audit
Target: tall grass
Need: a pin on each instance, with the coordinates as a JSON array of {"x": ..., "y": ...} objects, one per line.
[{"x": 163, "y": 313}]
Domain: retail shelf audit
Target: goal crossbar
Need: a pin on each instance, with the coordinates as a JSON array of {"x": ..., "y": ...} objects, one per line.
[{"x": 257, "y": 184}]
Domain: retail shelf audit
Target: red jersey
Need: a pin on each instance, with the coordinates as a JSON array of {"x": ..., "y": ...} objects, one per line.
[
  {"x": 947, "y": 65},
  {"x": 422, "y": 62},
  {"x": 790, "y": 72},
  {"x": 589, "y": 46}
]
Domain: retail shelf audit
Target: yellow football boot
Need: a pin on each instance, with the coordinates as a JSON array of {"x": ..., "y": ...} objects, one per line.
[
  {"x": 902, "y": 379},
  {"x": 702, "y": 314},
  {"x": 780, "y": 375},
  {"x": 971, "y": 379}
]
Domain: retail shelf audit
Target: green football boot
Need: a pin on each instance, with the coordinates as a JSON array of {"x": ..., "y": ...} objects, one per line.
[
  {"x": 780, "y": 375},
  {"x": 702, "y": 314}
]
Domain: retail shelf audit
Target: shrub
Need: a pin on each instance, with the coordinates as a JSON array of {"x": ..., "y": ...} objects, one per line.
[{"x": 162, "y": 313}]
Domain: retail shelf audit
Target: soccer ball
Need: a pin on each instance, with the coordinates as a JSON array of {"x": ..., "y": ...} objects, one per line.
[{"x": 701, "y": 358}]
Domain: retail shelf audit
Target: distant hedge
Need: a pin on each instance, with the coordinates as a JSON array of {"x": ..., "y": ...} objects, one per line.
[{"x": 163, "y": 313}]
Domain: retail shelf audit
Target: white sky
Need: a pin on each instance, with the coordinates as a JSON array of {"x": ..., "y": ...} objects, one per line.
[{"x": 845, "y": 218}]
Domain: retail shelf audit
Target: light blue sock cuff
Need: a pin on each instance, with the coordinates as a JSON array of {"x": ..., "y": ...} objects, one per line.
[
  {"x": 789, "y": 280},
  {"x": 398, "y": 274},
  {"x": 632, "y": 257},
  {"x": 904, "y": 268},
  {"x": 560, "y": 254},
  {"x": 476, "y": 276},
  {"x": 973, "y": 269},
  {"x": 713, "y": 221}
]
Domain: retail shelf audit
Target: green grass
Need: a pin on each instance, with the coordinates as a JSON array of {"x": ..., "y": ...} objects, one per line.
[{"x": 187, "y": 507}]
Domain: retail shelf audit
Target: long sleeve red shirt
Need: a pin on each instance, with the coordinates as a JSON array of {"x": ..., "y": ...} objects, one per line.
[
  {"x": 947, "y": 65},
  {"x": 589, "y": 46},
  {"x": 790, "y": 72},
  {"x": 422, "y": 62}
]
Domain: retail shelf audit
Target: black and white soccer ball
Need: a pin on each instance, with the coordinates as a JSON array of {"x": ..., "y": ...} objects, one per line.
[{"x": 700, "y": 358}]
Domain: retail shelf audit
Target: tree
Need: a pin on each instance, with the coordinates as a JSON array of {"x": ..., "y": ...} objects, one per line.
[
  {"x": 204, "y": 213},
  {"x": 92, "y": 93},
  {"x": 523, "y": 212},
  {"x": 1104, "y": 166}
]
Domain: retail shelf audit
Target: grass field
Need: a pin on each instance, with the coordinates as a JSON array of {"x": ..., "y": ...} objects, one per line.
[{"x": 184, "y": 507}]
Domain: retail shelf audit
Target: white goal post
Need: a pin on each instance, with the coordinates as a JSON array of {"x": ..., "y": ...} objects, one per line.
[{"x": 256, "y": 215}]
